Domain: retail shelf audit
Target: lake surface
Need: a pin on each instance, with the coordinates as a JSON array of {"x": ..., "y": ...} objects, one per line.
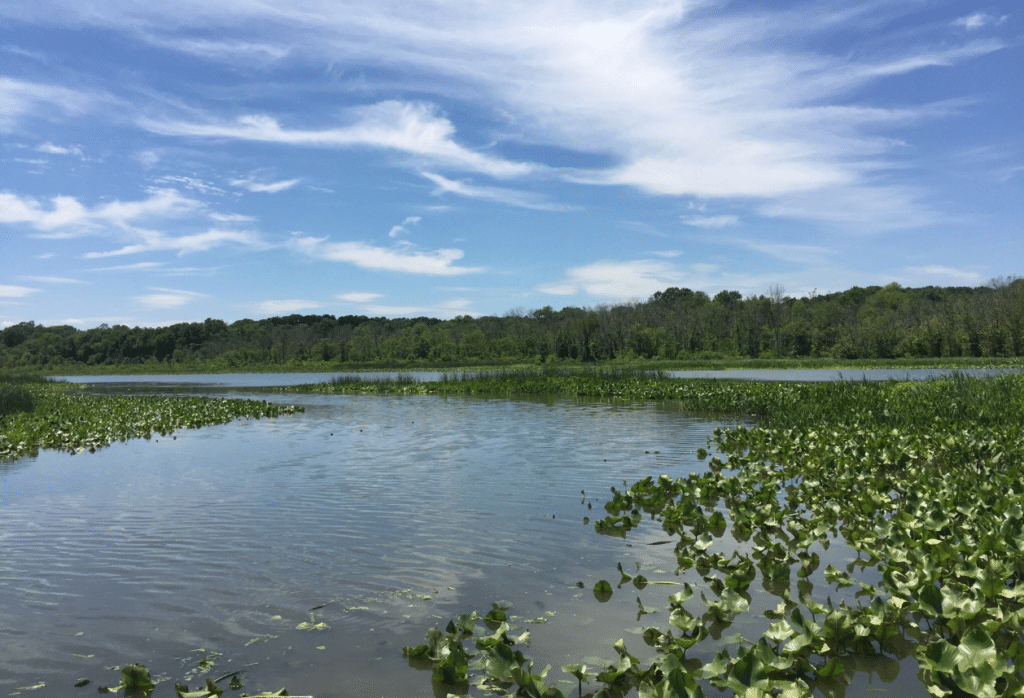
[
  {"x": 251, "y": 380},
  {"x": 393, "y": 513}
]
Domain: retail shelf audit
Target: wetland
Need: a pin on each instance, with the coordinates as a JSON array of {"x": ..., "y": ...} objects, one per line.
[{"x": 641, "y": 534}]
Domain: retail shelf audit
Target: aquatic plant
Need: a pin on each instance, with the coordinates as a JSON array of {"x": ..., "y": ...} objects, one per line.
[
  {"x": 69, "y": 420},
  {"x": 921, "y": 480}
]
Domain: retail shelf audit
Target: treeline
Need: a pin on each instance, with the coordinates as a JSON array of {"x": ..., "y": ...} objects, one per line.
[{"x": 677, "y": 323}]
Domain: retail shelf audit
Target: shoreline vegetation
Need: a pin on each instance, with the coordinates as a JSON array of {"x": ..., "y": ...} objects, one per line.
[
  {"x": 694, "y": 364},
  {"x": 677, "y": 327},
  {"x": 36, "y": 414},
  {"x": 921, "y": 480}
]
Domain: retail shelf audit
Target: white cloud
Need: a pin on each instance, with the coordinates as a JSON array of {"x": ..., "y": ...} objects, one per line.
[
  {"x": 148, "y": 158},
  {"x": 259, "y": 187},
  {"x": 787, "y": 252},
  {"x": 633, "y": 280},
  {"x": 232, "y": 218},
  {"x": 287, "y": 307},
  {"x": 52, "y": 280},
  {"x": 722, "y": 221},
  {"x": 976, "y": 20},
  {"x": 869, "y": 209},
  {"x": 224, "y": 50},
  {"x": 154, "y": 240},
  {"x": 193, "y": 183},
  {"x": 403, "y": 226},
  {"x": 444, "y": 310},
  {"x": 688, "y": 97},
  {"x": 400, "y": 259},
  {"x": 410, "y": 127},
  {"x": 52, "y": 149},
  {"x": 138, "y": 266},
  {"x": 501, "y": 195},
  {"x": 928, "y": 59},
  {"x": 7, "y": 291},
  {"x": 167, "y": 298},
  {"x": 934, "y": 273},
  {"x": 357, "y": 297},
  {"x": 20, "y": 98},
  {"x": 67, "y": 212}
]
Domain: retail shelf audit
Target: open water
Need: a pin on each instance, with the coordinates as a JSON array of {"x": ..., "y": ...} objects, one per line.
[{"x": 386, "y": 514}]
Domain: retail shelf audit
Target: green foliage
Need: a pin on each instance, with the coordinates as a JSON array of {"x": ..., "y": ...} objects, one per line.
[
  {"x": 873, "y": 323},
  {"x": 69, "y": 420},
  {"x": 921, "y": 479},
  {"x": 135, "y": 682},
  {"x": 15, "y": 398}
]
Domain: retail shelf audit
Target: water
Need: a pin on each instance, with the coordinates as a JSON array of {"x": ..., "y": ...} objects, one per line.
[
  {"x": 396, "y": 512},
  {"x": 249, "y": 380},
  {"x": 388, "y": 515}
]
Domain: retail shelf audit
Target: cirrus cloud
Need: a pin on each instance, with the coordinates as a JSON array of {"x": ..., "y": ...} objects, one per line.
[
  {"x": 400, "y": 259},
  {"x": 413, "y": 128}
]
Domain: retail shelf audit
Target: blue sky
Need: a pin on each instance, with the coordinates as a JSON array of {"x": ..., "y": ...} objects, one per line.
[{"x": 169, "y": 162}]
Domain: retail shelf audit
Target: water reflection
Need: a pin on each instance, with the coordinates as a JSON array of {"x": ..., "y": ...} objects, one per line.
[
  {"x": 145, "y": 383},
  {"x": 392, "y": 511}
]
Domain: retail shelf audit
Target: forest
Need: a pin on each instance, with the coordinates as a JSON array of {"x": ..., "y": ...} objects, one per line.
[{"x": 874, "y": 322}]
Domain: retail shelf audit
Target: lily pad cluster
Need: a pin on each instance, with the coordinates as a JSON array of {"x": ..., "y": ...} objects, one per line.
[
  {"x": 66, "y": 419},
  {"x": 918, "y": 484}
]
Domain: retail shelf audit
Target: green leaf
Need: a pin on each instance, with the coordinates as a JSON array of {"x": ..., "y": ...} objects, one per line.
[{"x": 602, "y": 591}]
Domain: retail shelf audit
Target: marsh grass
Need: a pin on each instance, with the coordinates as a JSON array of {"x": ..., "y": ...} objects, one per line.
[
  {"x": 15, "y": 392},
  {"x": 354, "y": 381}
]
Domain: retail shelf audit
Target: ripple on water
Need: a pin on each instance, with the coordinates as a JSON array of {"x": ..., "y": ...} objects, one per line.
[{"x": 232, "y": 533}]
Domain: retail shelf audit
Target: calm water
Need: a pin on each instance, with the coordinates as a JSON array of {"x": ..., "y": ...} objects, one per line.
[
  {"x": 147, "y": 550},
  {"x": 396, "y": 512},
  {"x": 246, "y": 380}
]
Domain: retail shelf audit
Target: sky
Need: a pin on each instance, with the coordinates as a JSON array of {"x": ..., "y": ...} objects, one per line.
[{"x": 177, "y": 161}]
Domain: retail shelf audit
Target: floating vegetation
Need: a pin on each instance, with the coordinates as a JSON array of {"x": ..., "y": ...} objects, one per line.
[
  {"x": 66, "y": 419},
  {"x": 922, "y": 482}
]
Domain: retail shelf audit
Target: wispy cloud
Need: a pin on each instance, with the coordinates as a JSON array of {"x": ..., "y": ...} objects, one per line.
[
  {"x": 52, "y": 280},
  {"x": 685, "y": 98},
  {"x": 501, "y": 195},
  {"x": 632, "y": 280},
  {"x": 978, "y": 20},
  {"x": 936, "y": 273},
  {"x": 264, "y": 188},
  {"x": 869, "y": 209},
  {"x": 155, "y": 240},
  {"x": 403, "y": 226},
  {"x": 222, "y": 50},
  {"x": 443, "y": 310},
  {"x": 786, "y": 252},
  {"x": 193, "y": 183},
  {"x": 232, "y": 217},
  {"x": 928, "y": 59},
  {"x": 400, "y": 259},
  {"x": 19, "y": 98},
  {"x": 138, "y": 266},
  {"x": 723, "y": 221},
  {"x": 166, "y": 298},
  {"x": 638, "y": 279},
  {"x": 412, "y": 128},
  {"x": 287, "y": 307},
  {"x": 358, "y": 297},
  {"x": 7, "y": 291},
  {"x": 69, "y": 216},
  {"x": 51, "y": 149}
]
